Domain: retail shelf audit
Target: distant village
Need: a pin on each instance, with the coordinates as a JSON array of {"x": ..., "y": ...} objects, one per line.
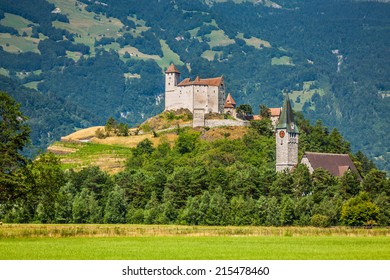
[{"x": 204, "y": 96}]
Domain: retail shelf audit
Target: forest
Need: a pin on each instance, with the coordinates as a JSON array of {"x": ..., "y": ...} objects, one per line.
[
  {"x": 350, "y": 94},
  {"x": 193, "y": 182}
]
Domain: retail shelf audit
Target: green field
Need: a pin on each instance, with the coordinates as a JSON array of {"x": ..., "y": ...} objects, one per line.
[{"x": 133, "y": 242}]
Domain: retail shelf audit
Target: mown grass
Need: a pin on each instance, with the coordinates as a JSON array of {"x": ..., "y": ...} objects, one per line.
[{"x": 114, "y": 242}]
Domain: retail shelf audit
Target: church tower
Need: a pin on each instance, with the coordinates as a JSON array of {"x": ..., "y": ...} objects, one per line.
[{"x": 286, "y": 139}]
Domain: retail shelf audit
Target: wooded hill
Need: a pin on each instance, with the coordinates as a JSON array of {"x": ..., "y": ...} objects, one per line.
[
  {"x": 75, "y": 66},
  {"x": 200, "y": 177}
]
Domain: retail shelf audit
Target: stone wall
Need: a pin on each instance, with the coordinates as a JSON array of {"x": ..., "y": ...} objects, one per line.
[
  {"x": 216, "y": 123},
  {"x": 198, "y": 118}
]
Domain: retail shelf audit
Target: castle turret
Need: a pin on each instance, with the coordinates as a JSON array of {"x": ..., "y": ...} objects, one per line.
[
  {"x": 172, "y": 76},
  {"x": 286, "y": 138}
]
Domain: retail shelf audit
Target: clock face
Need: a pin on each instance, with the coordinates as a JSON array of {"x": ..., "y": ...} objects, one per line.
[{"x": 281, "y": 134}]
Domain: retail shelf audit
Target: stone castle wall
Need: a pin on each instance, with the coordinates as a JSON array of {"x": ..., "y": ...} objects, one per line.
[{"x": 216, "y": 123}]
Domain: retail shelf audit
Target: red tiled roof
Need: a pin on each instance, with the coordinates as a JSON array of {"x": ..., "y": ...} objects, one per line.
[
  {"x": 336, "y": 164},
  {"x": 172, "y": 69},
  {"x": 230, "y": 103},
  {"x": 203, "y": 82},
  {"x": 275, "y": 112}
]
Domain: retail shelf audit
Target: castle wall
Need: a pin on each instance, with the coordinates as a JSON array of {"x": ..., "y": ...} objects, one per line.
[
  {"x": 180, "y": 97},
  {"x": 216, "y": 123},
  {"x": 201, "y": 98},
  {"x": 193, "y": 95},
  {"x": 198, "y": 119},
  {"x": 213, "y": 100}
]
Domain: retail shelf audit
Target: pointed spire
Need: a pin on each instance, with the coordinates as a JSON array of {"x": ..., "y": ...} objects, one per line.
[
  {"x": 286, "y": 120},
  {"x": 172, "y": 69},
  {"x": 230, "y": 103}
]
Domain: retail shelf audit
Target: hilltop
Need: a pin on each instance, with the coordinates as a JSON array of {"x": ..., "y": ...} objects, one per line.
[
  {"x": 84, "y": 147},
  {"x": 73, "y": 64}
]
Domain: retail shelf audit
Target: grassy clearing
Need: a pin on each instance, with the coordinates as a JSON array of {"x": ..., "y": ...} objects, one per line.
[
  {"x": 209, "y": 54},
  {"x": 255, "y": 42},
  {"x": 300, "y": 97},
  {"x": 169, "y": 56},
  {"x": 110, "y": 158},
  {"x": 219, "y": 38},
  {"x": 15, "y": 44},
  {"x": 284, "y": 60},
  {"x": 114, "y": 242},
  {"x": 86, "y": 24},
  {"x": 17, "y": 22}
]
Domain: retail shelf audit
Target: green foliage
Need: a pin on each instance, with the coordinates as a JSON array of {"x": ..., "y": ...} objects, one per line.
[
  {"x": 111, "y": 126},
  {"x": 145, "y": 147},
  {"x": 14, "y": 136},
  {"x": 115, "y": 209},
  {"x": 186, "y": 141},
  {"x": 359, "y": 211},
  {"x": 320, "y": 221},
  {"x": 263, "y": 126},
  {"x": 48, "y": 178},
  {"x": 244, "y": 110},
  {"x": 264, "y": 111},
  {"x": 220, "y": 182}
]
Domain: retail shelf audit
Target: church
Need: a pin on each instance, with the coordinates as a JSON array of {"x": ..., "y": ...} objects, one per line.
[{"x": 287, "y": 140}]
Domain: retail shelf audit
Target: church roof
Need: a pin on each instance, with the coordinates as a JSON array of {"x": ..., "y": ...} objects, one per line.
[
  {"x": 336, "y": 164},
  {"x": 230, "y": 103},
  {"x": 286, "y": 120},
  {"x": 172, "y": 69},
  {"x": 202, "y": 82}
]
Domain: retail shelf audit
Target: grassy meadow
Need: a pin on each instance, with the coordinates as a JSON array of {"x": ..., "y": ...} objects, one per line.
[{"x": 133, "y": 242}]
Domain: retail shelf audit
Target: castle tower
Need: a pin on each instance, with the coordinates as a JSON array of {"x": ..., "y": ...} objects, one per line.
[
  {"x": 286, "y": 139},
  {"x": 230, "y": 106},
  {"x": 172, "y": 76}
]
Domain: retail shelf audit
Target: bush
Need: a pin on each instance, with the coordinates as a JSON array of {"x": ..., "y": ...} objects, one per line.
[
  {"x": 99, "y": 133},
  {"x": 359, "y": 211},
  {"x": 320, "y": 221}
]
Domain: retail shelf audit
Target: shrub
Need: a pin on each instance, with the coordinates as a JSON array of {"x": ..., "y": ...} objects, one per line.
[
  {"x": 359, "y": 211},
  {"x": 99, "y": 133},
  {"x": 320, "y": 221}
]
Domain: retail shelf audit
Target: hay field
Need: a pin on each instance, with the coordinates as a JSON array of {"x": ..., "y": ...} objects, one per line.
[{"x": 155, "y": 242}]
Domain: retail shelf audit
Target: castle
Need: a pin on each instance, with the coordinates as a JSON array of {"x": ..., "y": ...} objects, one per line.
[{"x": 200, "y": 96}]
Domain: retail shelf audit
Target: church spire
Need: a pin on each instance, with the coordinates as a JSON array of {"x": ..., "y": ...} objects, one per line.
[
  {"x": 287, "y": 133},
  {"x": 286, "y": 120}
]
